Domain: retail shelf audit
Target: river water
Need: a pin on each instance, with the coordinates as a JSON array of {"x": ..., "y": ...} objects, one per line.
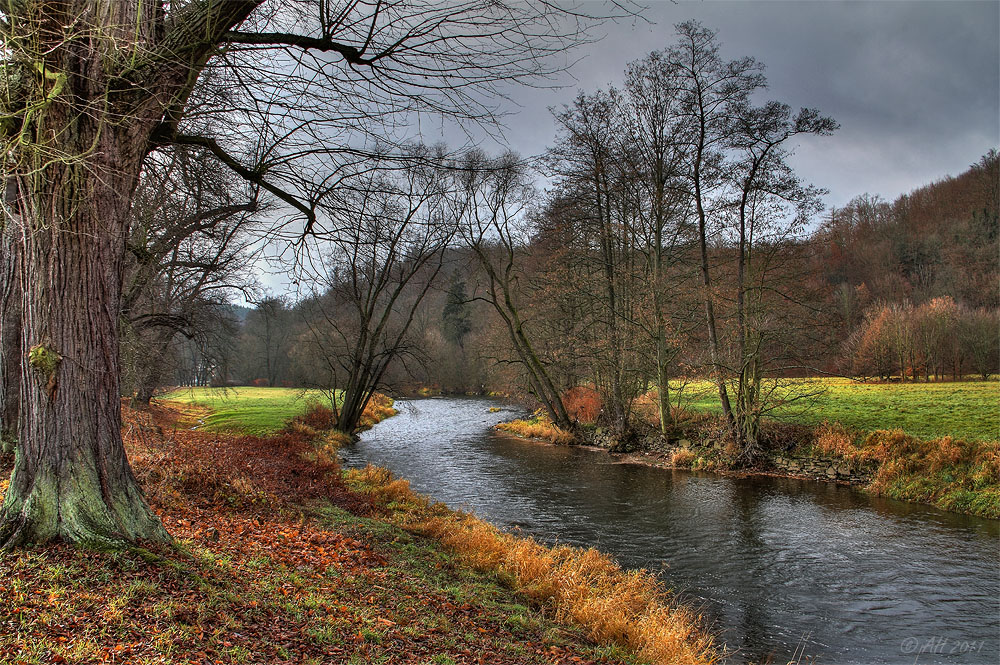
[{"x": 781, "y": 568}]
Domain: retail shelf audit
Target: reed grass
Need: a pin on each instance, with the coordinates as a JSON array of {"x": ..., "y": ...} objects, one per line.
[
  {"x": 537, "y": 427},
  {"x": 583, "y": 587}
]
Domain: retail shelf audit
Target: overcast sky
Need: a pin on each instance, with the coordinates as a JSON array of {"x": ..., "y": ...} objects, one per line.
[{"x": 915, "y": 86}]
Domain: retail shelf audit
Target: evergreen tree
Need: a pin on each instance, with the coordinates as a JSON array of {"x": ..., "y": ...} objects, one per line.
[{"x": 456, "y": 317}]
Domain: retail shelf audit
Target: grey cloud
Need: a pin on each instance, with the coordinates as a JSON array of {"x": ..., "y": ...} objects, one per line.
[{"x": 914, "y": 85}]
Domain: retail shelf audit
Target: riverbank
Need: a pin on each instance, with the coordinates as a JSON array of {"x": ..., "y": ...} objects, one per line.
[
  {"x": 276, "y": 560},
  {"x": 585, "y": 588},
  {"x": 952, "y": 474}
]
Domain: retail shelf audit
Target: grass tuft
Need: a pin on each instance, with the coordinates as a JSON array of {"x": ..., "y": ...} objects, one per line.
[
  {"x": 379, "y": 408},
  {"x": 538, "y": 427},
  {"x": 682, "y": 457}
]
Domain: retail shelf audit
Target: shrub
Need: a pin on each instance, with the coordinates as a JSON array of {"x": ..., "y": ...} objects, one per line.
[
  {"x": 335, "y": 439},
  {"x": 318, "y": 416},
  {"x": 583, "y": 404},
  {"x": 682, "y": 457}
]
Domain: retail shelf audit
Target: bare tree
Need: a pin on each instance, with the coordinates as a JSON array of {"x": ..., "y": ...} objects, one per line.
[
  {"x": 497, "y": 195},
  {"x": 90, "y": 88},
  {"x": 590, "y": 158},
  {"x": 742, "y": 189},
  {"x": 978, "y": 334},
  {"x": 396, "y": 224},
  {"x": 772, "y": 209},
  {"x": 657, "y": 153},
  {"x": 190, "y": 249},
  {"x": 708, "y": 88}
]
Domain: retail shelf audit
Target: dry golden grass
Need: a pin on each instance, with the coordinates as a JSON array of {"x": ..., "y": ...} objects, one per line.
[
  {"x": 335, "y": 439},
  {"x": 583, "y": 586},
  {"x": 682, "y": 457},
  {"x": 538, "y": 427},
  {"x": 379, "y": 408},
  {"x": 384, "y": 489},
  {"x": 835, "y": 439}
]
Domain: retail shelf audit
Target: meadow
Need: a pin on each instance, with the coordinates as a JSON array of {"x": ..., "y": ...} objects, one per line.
[
  {"x": 965, "y": 410},
  {"x": 256, "y": 411}
]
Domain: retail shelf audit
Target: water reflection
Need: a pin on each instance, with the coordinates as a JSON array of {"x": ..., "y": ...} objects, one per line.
[{"x": 777, "y": 564}]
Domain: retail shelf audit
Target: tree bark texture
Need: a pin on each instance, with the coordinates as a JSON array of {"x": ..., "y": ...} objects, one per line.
[
  {"x": 85, "y": 128},
  {"x": 10, "y": 337}
]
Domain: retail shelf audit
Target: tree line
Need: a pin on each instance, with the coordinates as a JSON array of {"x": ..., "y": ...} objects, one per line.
[{"x": 672, "y": 243}]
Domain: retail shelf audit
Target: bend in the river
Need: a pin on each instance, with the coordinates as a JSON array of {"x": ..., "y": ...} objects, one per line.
[{"x": 781, "y": 566}]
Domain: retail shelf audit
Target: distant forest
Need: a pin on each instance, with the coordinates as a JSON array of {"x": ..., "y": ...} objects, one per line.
[{"x": 904, "y": 289}]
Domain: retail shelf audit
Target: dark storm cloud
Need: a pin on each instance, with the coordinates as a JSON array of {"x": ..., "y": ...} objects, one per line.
[{"x": 914, "y": 85}]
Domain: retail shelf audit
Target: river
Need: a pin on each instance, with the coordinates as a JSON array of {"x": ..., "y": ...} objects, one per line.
[{"x": 781, "y": 568}]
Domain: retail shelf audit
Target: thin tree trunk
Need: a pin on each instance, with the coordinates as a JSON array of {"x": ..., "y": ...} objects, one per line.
[
  {"x": 151, "y": 372},
  {"x": 706, "y": 277},
  {"x": 662, "y": 375}
]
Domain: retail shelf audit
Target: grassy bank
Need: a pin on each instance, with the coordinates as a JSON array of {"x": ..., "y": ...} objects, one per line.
[
  {"x": 243, "y": 409},
  {"x": 583, "y": 588},
  {"x": 966, "y": 410},
  {"x": 276, "y": 561},
  {"x": 259, "y": 411},
  {"x": 952, "y": 474},
  {"x": 959, "y": 475}
]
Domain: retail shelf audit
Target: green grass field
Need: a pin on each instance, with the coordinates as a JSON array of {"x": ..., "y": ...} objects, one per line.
[
  {"x": 256, "y": 411},
  {"x": 969, "y": 410}
]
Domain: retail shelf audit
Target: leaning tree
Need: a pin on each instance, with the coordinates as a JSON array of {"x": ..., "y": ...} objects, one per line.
[{"x": 92, "y": 87}]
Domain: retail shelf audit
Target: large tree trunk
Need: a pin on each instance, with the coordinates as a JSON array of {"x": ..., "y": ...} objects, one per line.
[
  {"x": 91, "y": 82},
  {"x": 71, "y": 478}
]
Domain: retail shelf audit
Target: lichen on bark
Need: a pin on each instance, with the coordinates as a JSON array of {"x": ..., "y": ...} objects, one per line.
[{"x": 44, "y": 359}]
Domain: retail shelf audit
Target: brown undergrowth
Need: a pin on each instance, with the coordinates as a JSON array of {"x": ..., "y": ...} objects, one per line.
[
  {"x": 275, "y": 561},
  {"x": 582, "y": 587},
  {"x": 953, "y": 474}
]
